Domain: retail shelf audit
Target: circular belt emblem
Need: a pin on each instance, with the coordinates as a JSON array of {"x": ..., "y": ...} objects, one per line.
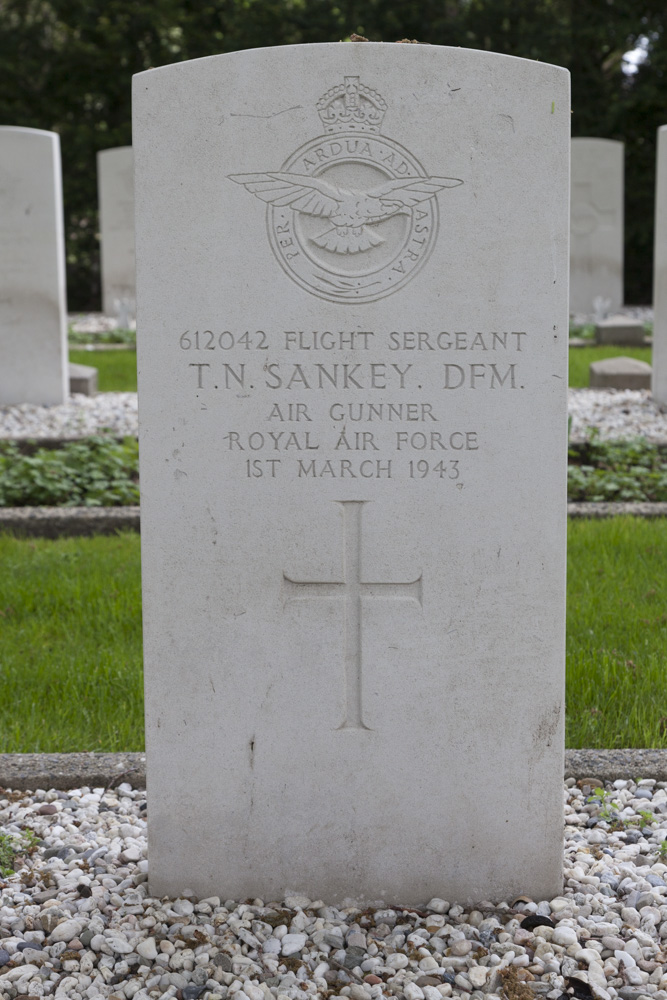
[{"x": 352, "y": 216}]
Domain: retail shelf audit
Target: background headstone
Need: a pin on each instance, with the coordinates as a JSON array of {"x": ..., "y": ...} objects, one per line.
[
  {"x": 115, "y": 182},
  {"x": 352, "y": 284},
  {"x": 659, "y": 359},
  {"x": 619, "y": 373},
  {"x": 33, "y": 308},
  {"x": 596, "y": 224},
  {"x": 83, "y": 379},
  {"x": 620, "y": 330}
]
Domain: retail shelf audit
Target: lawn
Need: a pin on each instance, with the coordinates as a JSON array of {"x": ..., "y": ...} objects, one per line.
[
  {"x": 118, "y": 369},
  {"x": 70, "y": 644},
  {"x": 70, "y": 640},
  {"x": 617, "y": 633}
]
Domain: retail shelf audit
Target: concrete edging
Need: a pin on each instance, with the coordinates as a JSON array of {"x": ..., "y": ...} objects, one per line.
[
  {"x": 68, "y": 522},
  {"x": 100, "y": 348},
  {"x": 591, "y": 342},
  {"x": 23, "y": 771},
  {"x": 637, "y": 508}
]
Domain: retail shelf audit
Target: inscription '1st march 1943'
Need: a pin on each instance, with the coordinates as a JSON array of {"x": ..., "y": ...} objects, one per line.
[{"x": 351, "y": 590}]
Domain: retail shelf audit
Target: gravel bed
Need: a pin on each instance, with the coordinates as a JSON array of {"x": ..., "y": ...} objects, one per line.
[
  {"x": 80, "y": 416},
  {"x": 77, "y": 921},
  {"x": 96, "y": 323},
  {"x": 644, "y": 313},
  {"x": 616, "y": 414}
]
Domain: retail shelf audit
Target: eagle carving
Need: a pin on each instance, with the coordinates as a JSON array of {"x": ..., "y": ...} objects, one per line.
[{"x": 350, "y": 212}]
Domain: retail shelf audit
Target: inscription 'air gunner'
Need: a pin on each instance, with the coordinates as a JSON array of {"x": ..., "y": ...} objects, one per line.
[{"x": 351, "y": 212}]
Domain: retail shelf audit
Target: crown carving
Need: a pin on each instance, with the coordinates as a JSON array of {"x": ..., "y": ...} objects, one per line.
[{"x": 352, "y": 107}]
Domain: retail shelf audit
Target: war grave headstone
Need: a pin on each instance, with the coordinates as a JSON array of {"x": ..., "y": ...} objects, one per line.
[
  {"x": 596, "y": 224},
  {"x": 659, "y": 355},
  {"x": 115, "y": 182},
  {"x": 623, "y": 330},
  {"x": 352, "y": 292},
  {"x": 620, "y": 373},
  {"x": 33, "y": 310}
]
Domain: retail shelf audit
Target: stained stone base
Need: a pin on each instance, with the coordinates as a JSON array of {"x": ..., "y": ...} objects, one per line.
[
  {"x": 620, "y": 330},
  {"x": 620, "y": 373},
  {"x": 82, "y": 379}
]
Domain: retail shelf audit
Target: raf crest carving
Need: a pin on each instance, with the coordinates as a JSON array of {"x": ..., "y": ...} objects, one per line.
[{"x": 352, "y": 215}]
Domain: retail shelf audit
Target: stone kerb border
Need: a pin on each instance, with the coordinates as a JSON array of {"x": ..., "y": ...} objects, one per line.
[
  {"x": 587, "y": 342},
  {"x": 69, "y": 522},
  {"x": 22, "y": 771},
  {"x": 101, "y": 347},
  {"x": 598, "y": 510}
]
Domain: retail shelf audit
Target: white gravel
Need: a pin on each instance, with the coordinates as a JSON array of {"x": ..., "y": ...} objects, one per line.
[
  {"x": 615, "y": 413},
  {"x": 97, "y": 323},
  {"x": 80, "y": 416},
  {"x": 77, "y": 920}
]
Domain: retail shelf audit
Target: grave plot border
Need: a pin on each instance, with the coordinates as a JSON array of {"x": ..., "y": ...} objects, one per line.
[
  {"x": 68, "y": 522},
  {"x": 72, "y": 522},
  {"x": 21, "y": 771}
]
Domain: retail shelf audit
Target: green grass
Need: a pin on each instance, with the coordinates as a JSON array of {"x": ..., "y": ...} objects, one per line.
[
  {"x": 581, "y": 358},
  {"x": 70, "y": 644},
  {"x": 117, "y": 369},
  {"x": 70, "y": 640},
  {"x": 617, "y": 633}
]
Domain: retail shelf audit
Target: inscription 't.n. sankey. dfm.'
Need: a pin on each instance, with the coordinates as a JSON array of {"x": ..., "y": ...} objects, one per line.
[{"x": 211, "y": 346}]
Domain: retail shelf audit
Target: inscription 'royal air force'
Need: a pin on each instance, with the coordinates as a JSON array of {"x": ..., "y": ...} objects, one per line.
[{"x": 350, "y": 219}]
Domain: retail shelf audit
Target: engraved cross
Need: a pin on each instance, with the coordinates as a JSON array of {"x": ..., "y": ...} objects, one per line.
[{"x": 351, "y": 590}]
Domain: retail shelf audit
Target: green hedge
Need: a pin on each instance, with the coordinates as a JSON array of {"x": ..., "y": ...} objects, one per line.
[{"x": 67, "y": 65}]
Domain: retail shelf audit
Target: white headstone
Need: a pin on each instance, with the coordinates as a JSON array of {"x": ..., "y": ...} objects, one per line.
[
  {"x": 620, "y": 330},
  {"x": 352, "y": 280},
  {"x": 115, "y": 183},
  {"x": 620, "y": 373},
  {"x": 659, "y": 358},
  {"x": 33, "y": 308},
  {"x": 596, "y": 225}
]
